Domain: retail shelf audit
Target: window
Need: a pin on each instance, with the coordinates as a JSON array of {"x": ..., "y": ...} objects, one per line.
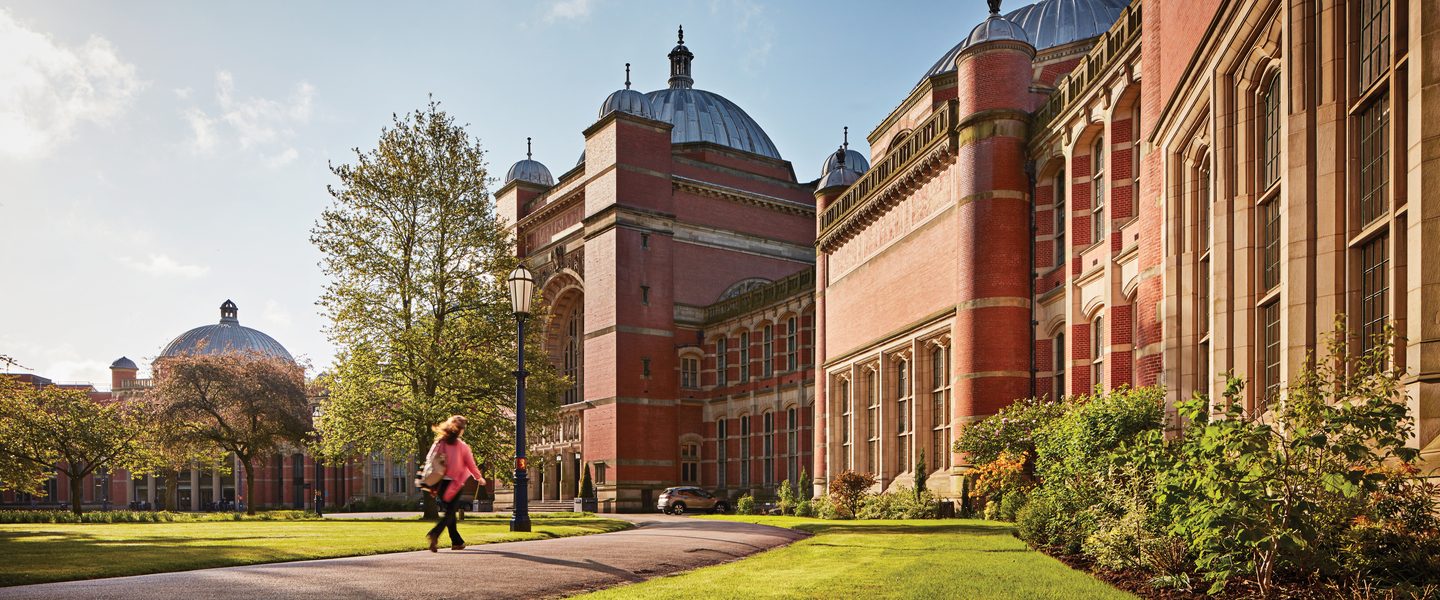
[
  {"x": 377, "y": 474},
  {"x": 690, "y": 463},
  {"x": 1374, "y": 292},
  {"x": 847, "y": 425},
  {"x": 645, "y": 241},
  {"x": 939, "y": 409},
  {"x": 744, "y": 451},
  {"x": 767, "y": 447},
  {"x": 645, "y": 295},
  {"x": 1204, "y": 202},
  {"x": 1097, "y": 353},
  {"x": 690, "y": 372},
  {"x": 1202, "y": 285},
  {"x": 767, "y": 354},
  {"x": 722, "y": 452},
  {"x": 1060, "y": 356},
  {"x": 721, "y": 360},
  {"x": 745, "y": 356},
  {"x": 792, "y": 445},
  {"x": 1374, "y": 41},
  {"x": 1270, "y": 242},
  {"x": 1270, "y": 337},
  {"x": 1374, "y": 179},
  {"x": 872, "y": 423},
  {"x": 1061, "y": 188},
  {"x": 645, "y": 367},
  {"x": 904, "y": 417},
  {"x": 397, "y": 482},
  {"x": 1269, "y": 135},
  {"x": 1097, "y": 192},
  {"x": 572, "y": 355},
  {"x": 792, "y": 346}
]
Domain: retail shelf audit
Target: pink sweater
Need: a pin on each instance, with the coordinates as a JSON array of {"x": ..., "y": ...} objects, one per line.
[{"x": 459, "y": 466}]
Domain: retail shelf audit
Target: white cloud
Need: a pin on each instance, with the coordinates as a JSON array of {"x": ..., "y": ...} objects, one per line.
[
  {"x": 183, "y": 93},
  {"x": 47, "y": 89},
  {"x": 161, "y": 265},
  {"x": 258, "y": 124},
  {"x": 568, "y": 9}
]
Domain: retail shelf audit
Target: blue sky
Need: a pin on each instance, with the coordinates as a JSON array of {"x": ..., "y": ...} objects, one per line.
[{"x": 158, "y": 158}]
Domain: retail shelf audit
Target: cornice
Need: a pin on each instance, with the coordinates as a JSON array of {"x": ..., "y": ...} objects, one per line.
[{"x": 739, "y": 196}]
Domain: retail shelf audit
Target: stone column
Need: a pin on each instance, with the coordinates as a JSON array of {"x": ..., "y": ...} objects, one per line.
[
  {"x": 150, "y": 489},
  {"x": 194, "y": 489}
]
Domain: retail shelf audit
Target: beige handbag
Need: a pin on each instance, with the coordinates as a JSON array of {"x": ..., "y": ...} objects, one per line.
[{"x": 434, "y": 469}]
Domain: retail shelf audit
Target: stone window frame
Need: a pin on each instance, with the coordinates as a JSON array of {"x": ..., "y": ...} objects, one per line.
[
  {"x": 398, "y": 479},
  {"x": 722, "y": 361},
  {"x": 1098, "y": 225},
  {"x": 792, "y": 341},
  {"x": 722, "y": 451},
  {"x": 941, "y": 403},
  {"x": 904, "y": 394},
  {"x": 690, "y": 361},
  {"x": 1097, "y": 349},
  {"x": 744, "y": 359},
  {"x": 847, "y": 420},
  {"x": 745, "y": 450},
  {"x": 767, "y": 447},
  {"x": 767, "y": 350},
  {"x": 871, "y": 382},
  {"x": 1060, "y": 196},
  {"x": 690, "y": 461},
  {"x": 1061, "y": 358},
  {"x": 793, "y": 452},
  {"x": 377, "y": 474}
]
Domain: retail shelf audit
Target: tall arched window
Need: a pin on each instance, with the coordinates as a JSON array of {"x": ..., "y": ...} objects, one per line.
[
  {"x": 939, "y": 409},
  {"x": 1269, "y": 229},
  {"x": 767, "y": 447},
  {"x": 573, "y": 354},
  {"x": 792, "y": 345},
  {"x": 792, "y": 445},
  {"x": 1204, "y": 204},
  {"x": 1097, "y": 352},
  {"x": 744, "y": 451},
  {"x": 904, "y": 417},
  {"x": 1061, "y": 354},
  {"x": 1097, "y": 191},
  {"x": 847, "y": 425},
  {"x": 1062, "y": 186},
  {"x": 744, "y": 356},
  {"x": 1269, "y": 134},
  {"x": 722, "y": 452},
  {"x": 767, "y": 352}
]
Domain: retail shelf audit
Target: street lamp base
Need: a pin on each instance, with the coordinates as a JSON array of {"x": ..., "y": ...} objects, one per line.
[{"x": 520, "y": 523}]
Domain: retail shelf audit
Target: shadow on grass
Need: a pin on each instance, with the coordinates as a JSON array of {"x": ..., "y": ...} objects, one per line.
[{"x": 882, "y": 528}]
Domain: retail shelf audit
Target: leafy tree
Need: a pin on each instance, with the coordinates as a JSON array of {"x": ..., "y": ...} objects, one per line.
[
  {"x": 56, "y": 430},
  {"x": 848, "y": 489},
  {"x": 246, "y": 404},
  {"x": 920, "y": 475},
  {"x": 807, "y": 490},
  {"x": 417, "y": 260},
  {"x": 1011, "y": 430}
]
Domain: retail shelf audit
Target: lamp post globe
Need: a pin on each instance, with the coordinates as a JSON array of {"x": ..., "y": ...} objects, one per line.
[{"x": 522, "y": 293}]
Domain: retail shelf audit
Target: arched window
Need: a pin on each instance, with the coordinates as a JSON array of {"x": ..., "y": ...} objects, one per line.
[
  {"x": 1097, "y": 352},
  {"x": 904, "y": 417},
  {"x": 1269, "y": 134},
  {"x": 722, "y": 451},
  {"x": 722, "y": 361},
  {"x": 744, "y": 451},
  {"x": 847, "y": 425},
  {"x": 767, "y": 354},
  {"x": 939, "y": 409},
  {"x": 1097, "y": 192},
  {"x": 1062, "y": 186},
  {"x": 767, "y": 447},
  {"x": 792, "y": 345},
  {"x": 1061, "y": 354},
  {"x": 744, "y": 356},
  {"x": 792, "y": 445},
  {"x": 1204, "y": 205},
  {"x": 573, "y": 354}
]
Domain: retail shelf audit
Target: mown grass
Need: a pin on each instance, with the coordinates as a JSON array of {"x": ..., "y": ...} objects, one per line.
[
  {"x": 883, "y": 559},
  {"x": 48, "y": 552}
]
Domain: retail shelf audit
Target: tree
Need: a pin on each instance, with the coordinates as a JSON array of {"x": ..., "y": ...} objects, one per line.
[
  {"x": 847, "y": 490},
  {"x": 246, "y": 404},
  {"x": 417, "y": 261},
  {"x": 587, "y": 486},
  {"x": 56, "y": 430},
  {"x": 920, "y": 474}
]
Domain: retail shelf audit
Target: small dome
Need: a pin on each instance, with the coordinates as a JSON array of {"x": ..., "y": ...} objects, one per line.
[
  {"x": 226, "y": 337},
  {"x": 124, "y": 363},
  {"x": 853, "y": 160},
  {"x": 1047, "y": 24},
  {"x": 840, "y": 177},
  {"x": 627, "y": 101},
  {"x": 530, "y": 170},
  {"x": 995, "y": 29}
]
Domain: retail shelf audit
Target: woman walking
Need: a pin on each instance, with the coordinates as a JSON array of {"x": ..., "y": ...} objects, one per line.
[{"x": 459, "y": 468}]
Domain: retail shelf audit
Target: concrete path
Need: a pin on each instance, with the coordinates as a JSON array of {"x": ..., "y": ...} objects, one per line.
[{"x": 535, "y": 569}]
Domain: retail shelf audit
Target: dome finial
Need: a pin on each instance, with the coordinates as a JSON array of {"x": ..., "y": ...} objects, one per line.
[
  {"x": 527, "y": 148},
  {"x": 847, "y": 138},
  {"x": 680, "y": 58},
  {"x": 994, "y": 7},
  {"x": 229, "y": 313},
  {"x": 627, "y": 76}
]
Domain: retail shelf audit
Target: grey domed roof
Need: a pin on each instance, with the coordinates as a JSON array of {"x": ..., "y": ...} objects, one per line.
[
  {"x": 854, "y": 161},
  {"x": 1047, "y": 24},
  {"x": 529, "y": 170},
  {"x": 701, "y": 116},
  {"x": 226, "y": 336},
  {"x": 844, "y": 167},
  {"x": 124, "y": 363},
  {"x": 841, "y": 177},
  {"x": 993, "y": 29},
  {"x": 627, "y": 101}
]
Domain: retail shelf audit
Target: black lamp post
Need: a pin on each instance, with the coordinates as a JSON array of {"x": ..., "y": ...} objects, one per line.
[{"x": 522, "y": 290}]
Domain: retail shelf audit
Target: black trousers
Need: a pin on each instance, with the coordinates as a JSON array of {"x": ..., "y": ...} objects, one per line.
[{"x": 452, "y": 513}]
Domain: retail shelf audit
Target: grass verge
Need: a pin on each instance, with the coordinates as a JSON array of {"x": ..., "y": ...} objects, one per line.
[
  {"x": 883, "y": 559},
  {"x": 49, "y": 552}
]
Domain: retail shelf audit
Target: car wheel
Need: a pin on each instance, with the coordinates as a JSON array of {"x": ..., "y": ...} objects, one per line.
[
  {"x": 722, "y": 508},
  {"x": 678, "y": 509}
]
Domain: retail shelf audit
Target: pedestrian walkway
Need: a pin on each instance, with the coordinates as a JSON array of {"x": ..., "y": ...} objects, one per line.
[{"x": 658, "y": 545}]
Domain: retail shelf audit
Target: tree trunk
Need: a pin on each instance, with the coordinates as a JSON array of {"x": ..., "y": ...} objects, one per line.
[
  {"x": 76, "y": 485},
  {"x": 172, "y": 491},
  {"x": 249, "y": 486}
]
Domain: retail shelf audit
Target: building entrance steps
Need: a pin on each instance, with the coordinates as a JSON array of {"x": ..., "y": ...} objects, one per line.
[{"x": 658, "y": 545}]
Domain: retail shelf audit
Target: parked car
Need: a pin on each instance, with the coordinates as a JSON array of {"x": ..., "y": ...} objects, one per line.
[{"x": 678, "y": 500}]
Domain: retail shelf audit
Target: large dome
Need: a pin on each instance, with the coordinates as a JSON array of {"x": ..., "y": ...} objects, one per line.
[
  {"x": 226, "y": 336},
  {"x": 701, "y": 116},
  {"x": 1047, "y": 24}
]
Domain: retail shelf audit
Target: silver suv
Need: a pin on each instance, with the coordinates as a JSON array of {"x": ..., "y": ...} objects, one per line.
[{"x": 677, "y": 500}]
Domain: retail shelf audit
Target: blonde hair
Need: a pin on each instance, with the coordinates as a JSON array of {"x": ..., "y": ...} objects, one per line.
[{"x": 450, "y": 429}]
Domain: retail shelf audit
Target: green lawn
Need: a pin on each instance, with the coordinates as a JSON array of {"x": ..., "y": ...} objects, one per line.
[
  {"x": 40, "y": 553},
  {"x": 883, "y": 559}
]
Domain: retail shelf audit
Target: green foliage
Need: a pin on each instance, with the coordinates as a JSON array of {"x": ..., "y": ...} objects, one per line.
[
  {"x": 587, "y": 485},
  {"x": 1011, "y": 430},
  {"x": 920, "y": 474},
  {"x": 788, "y": 496},
  {"x": 146, "y": 516},
  {"x": 1009, "y": 505},
  {"x": 847, "y": 489},
  {"x": 745, "y": 505},
  {"x": 51, "y": 429},
  {"x": 807, "y": 486},
  {"x": 805, "y": 508},
  {"x": 417, "y": 260},
  {"x": 825, "y": 509},
  {"x": 899, "y": 503},
  {"x": 1078, "y": 444}
]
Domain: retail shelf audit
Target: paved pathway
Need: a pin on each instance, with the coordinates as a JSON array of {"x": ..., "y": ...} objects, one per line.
[{"x": 534, "y": 569}]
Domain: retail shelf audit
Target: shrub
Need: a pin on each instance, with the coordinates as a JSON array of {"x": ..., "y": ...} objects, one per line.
[
  {"x": 847, "y": 489},
  {"x": 1010, "y": 431},
  {"x": 745, "y": 505},
  {"x": 825, "y": 509},
  {"x": 805, "y": 508},
  {"x": 898, "y": 503},
  {"x": 807, "y": 487},
  {"x": 1009, "y": 505},
  {"x": 787, "y": 498},
  {"x": 587, "y": 485},
  {"x": 1036, "y": 522},
  {"x": 145, "y": 516}
]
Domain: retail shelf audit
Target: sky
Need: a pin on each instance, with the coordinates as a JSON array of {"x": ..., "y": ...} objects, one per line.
[{"x": 158, "y": 158}]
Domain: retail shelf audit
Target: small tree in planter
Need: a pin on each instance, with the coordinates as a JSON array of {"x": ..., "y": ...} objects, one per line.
[{"x": 586, "y": 501}]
